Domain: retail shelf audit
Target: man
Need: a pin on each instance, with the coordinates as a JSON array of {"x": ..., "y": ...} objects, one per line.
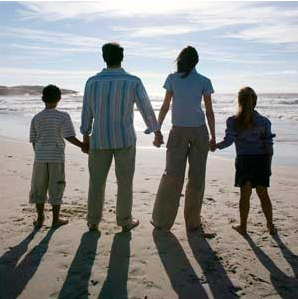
[{"x": 107, "y": 117}]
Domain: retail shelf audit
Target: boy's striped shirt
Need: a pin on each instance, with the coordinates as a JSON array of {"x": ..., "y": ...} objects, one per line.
[{"x": 48, "y": 130}]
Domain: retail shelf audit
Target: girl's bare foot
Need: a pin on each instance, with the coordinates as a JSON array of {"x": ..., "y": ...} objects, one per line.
[
  {"x": 240, "y": 229},
  {"x": 272, "y": 229},
  {"x": 59, "y": 223}
]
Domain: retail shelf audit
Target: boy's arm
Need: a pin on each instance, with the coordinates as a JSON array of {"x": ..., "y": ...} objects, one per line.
[{"x": 75, "y": 141}]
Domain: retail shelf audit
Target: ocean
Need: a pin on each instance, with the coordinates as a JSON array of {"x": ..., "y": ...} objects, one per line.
[{"x": 282, "y": 109}]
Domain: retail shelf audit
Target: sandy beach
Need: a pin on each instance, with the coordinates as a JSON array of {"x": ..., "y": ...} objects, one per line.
[{"x": 148, "y": 264}]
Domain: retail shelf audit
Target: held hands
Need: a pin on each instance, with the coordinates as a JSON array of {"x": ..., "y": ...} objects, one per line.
[
  {"x": 85, "y": 148},
  {"x": 212, "y": 145},
  {"x": 158, "y": 140},
  {"x": 85, "y": 144}
]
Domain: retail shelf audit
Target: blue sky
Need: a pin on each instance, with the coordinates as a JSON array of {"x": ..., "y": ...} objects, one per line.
[{"x": 239, "y": 43}]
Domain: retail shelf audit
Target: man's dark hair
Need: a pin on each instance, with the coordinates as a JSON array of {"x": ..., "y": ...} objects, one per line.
[
  {"x": 112, "y": 54},
  {"x": 51, "y": 94}
]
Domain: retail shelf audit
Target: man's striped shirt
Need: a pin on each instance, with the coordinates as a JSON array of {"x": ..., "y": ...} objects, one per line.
[
  {"x": 108, "y": 109},
  {"x": 47, "y": 132}
]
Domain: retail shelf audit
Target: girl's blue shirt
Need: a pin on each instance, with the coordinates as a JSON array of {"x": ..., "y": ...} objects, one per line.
[{"x": 255, "y": 141}]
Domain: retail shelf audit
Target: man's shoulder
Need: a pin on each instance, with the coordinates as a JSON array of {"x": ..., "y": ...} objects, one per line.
[{"x": 131, "y": 76}]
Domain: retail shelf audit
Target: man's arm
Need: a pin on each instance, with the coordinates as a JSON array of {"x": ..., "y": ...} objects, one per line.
[
  {"x": 210, "y": 119},
  {"x": 86, "y": 116},
  {"x": 147, "y": 112}
]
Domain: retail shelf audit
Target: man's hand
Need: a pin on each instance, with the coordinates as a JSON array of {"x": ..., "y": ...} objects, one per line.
[
  {"x": 158, "y": 140},
  {"x": 85, "y": 147}
]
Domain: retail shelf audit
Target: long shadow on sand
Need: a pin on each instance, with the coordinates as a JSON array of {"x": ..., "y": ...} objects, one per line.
[
  {"x": 115, "y": 285},
  {"x": 184, "y": 280},
  {"x": 77, "y": 280},
  {"x": 216, "y": 276},
  {"x": 14, "y": 277},
  {"x": 286, "y": 287}
]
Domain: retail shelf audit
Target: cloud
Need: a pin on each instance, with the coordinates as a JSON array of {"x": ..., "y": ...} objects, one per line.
[
  {"x": 275, "y": 34},
  {"x": 52, "y": 10}
]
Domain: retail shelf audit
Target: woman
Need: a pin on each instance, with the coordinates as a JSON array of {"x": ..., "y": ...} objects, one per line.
[{"x": 188, "y": 139}]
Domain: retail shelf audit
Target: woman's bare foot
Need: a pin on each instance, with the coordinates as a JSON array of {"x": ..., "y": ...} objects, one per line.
[
  {"x": 272, "y": 229},
  {"x": 38, "y": 223},
  {"x": 240, "y": 229},
  {"x": 59, "y": 223}
]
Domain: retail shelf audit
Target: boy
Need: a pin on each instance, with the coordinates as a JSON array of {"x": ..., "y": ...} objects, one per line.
[{"x": 47, "y": 132}]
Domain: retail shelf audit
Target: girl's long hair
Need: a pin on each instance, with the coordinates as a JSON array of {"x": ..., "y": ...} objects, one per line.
[
  {"x": 247, "y": 100},
  {"x": 187, "y": 60}
]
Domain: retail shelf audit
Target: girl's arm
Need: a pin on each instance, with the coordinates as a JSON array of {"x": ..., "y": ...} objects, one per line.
[
  {"x": 229, "y": 135},
  {"x": 210, "y": 119}
]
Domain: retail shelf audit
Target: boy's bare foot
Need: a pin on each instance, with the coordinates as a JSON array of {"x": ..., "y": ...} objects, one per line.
[
  {"x": 240, "y": 229},
  {"x": 272, "y": 229},
  {"x": 59, "y": 223},
  {"x": 134, "y": 222},
  {"x": 38, "y": 223},
  {"x": 93, "y": 227}
]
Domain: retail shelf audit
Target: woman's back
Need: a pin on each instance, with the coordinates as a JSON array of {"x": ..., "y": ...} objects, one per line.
[{"x": 187, "y": 96}]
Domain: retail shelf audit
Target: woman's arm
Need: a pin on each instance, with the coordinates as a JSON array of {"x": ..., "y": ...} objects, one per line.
[
  {"x": 158, "y": 140},
  {"x": 210, "y": 119},
  {"x": 165, "y": 107}
]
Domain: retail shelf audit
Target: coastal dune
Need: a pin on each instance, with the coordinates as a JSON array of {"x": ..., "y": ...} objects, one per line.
[{"x": 72, "y": 263}]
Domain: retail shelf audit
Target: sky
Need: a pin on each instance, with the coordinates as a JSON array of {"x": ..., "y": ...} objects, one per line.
[{"x": 239, "y": 43}]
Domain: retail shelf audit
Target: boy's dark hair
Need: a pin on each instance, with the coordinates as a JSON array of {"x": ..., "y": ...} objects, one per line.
[
  {"x": 51, "y": 94},
  {"x": 112, "y": 54}
]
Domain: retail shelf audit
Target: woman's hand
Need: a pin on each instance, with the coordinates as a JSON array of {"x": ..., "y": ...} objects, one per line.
[{"x": 212, "y": 145}]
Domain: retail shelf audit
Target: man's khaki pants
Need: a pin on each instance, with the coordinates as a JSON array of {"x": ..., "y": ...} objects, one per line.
[
  {"x": 99, "y": 166},
  {"x": 184, "y": 143}
]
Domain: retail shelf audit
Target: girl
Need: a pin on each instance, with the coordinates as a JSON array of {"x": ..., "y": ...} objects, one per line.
[
  {"x": 188, "y": 139},
  {"x": 252, "y": 135}
]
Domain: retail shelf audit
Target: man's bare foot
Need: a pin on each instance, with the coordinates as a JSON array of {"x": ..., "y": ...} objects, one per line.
[
  {"x": 240, "y": 229},
  {"x": 38, "y": 223},
  {"x": 272, "y": 229},
  {"x": 59, "y": 223},
  {"x": 93, "y": 227},
  {"x": 134, "y": 222}
]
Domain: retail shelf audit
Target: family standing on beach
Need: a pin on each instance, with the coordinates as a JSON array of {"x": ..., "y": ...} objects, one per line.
[{"x": 108, "y": 132}]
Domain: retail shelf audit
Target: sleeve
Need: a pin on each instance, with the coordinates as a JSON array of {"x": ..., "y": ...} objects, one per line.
[
  {"x": 86, "y": 116},
  {"x": 268, "y": 137},
  {"x": 229, "y": 135},
  {"x": 145, "y": 107},
  {"x": 67, "y": 127},
  {"x": 168, "y": 83},
  {"x": 208, "y": 88},
  {"x": 33, "y": 135}
]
